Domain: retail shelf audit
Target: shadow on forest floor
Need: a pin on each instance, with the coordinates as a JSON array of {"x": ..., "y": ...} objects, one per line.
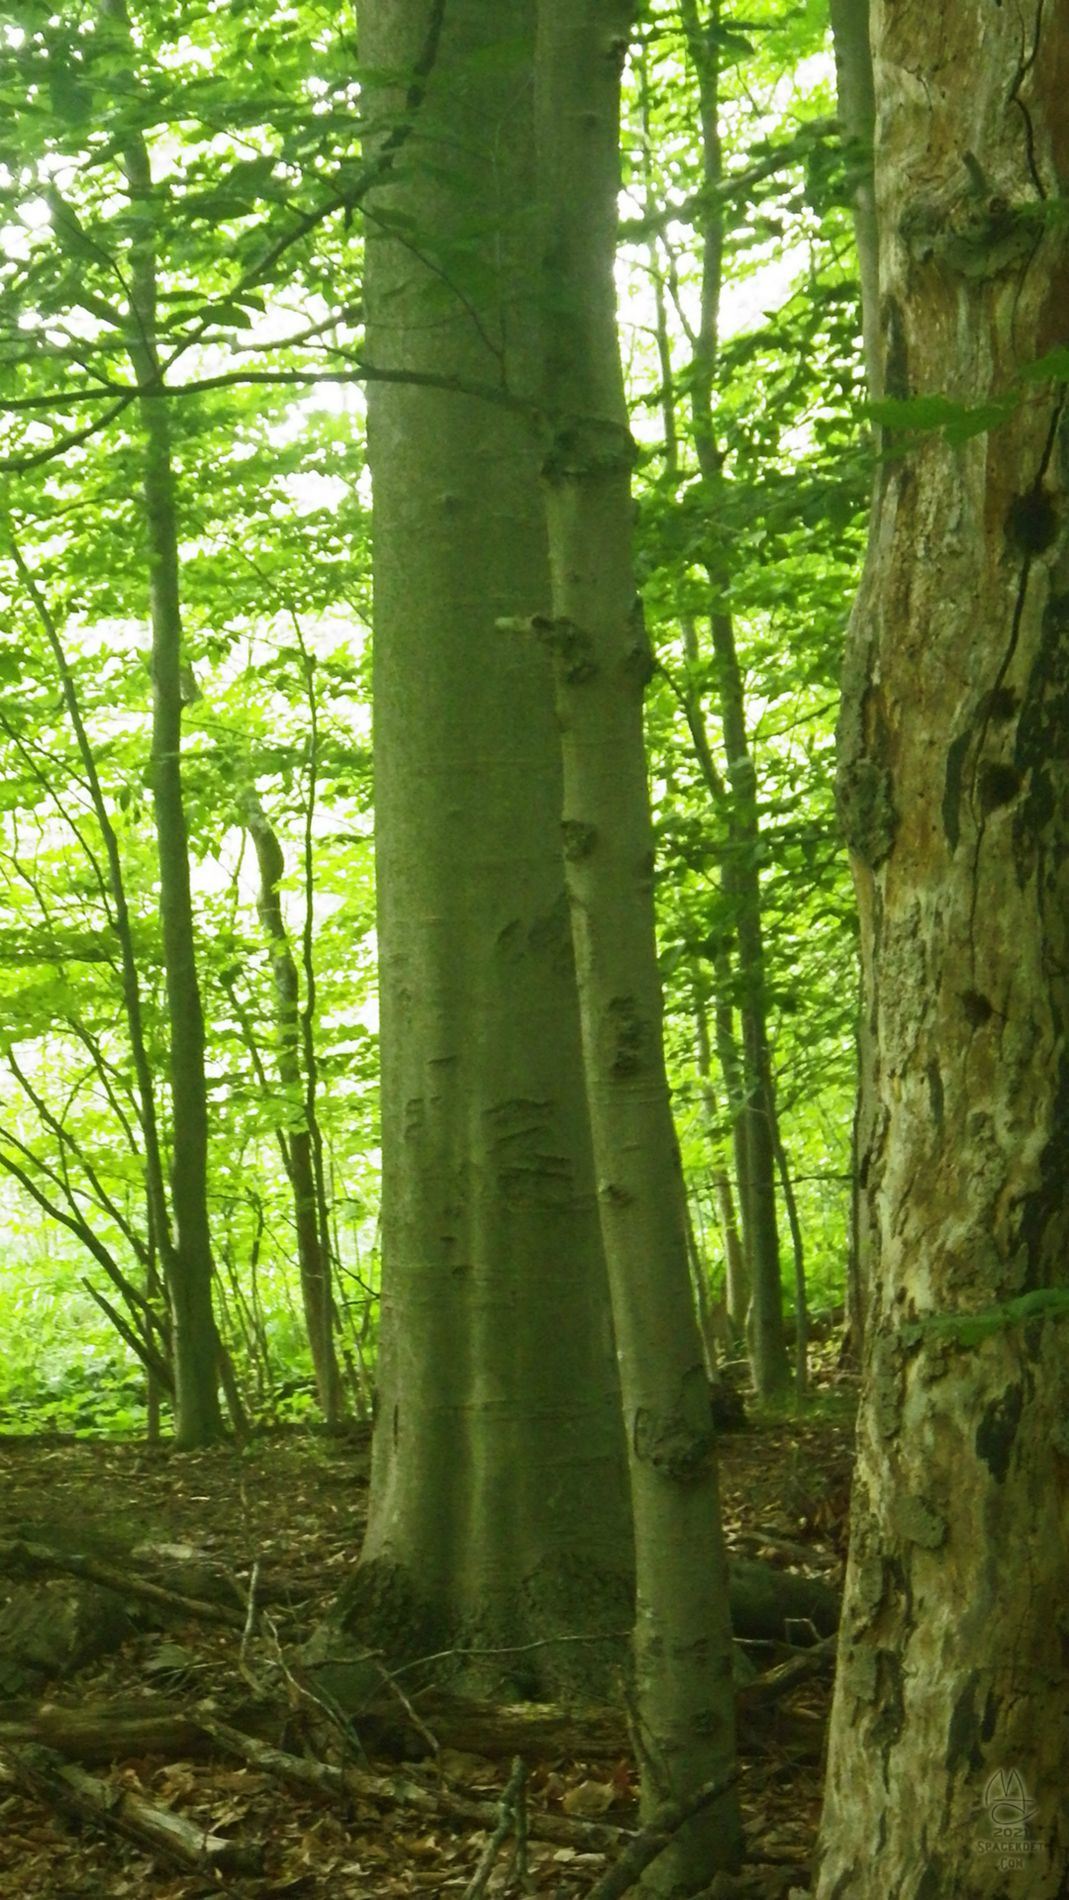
[{"x": 293, "y": 1504}]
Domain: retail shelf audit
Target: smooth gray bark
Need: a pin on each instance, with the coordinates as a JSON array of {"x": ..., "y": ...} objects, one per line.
[
  {"x": 684, "y": 1723},
  {"x": 498, "y": 1494}
]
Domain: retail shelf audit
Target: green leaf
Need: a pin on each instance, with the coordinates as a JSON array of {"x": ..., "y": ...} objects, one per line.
[
  {"x": 1053, "y": 367},
  {"x": 970, "y": 1329},
  {"x": 960, "y": 422}
]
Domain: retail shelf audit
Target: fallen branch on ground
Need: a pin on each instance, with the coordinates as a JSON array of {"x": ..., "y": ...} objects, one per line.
[
  {"x": 402, "y": 1790},
  {"x": 20, "y": 1558},
  {"x": 44, "y": 1774}
]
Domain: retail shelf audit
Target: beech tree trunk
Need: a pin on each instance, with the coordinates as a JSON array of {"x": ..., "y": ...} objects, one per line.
[
  {"x": 498, "y": 1511},
  {"x": 595, "y": 631},
  {"x": 946, "y": 1776}
]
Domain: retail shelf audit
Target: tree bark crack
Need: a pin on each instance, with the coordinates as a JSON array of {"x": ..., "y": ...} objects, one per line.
[
  {"x": 991, "y": 699},
  {"x": 1028, "y": 60}
]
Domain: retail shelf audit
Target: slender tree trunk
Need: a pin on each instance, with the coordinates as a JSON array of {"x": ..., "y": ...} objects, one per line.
[
  {"x": 313, "y": 1253},
  {"x": 703, "y": 1307},
  {"x": 740, "y": 1272},
  {"x": 601, "y": 659},
  {"x": 742, "y": 886},
  {"x": 736, "y": 1247},
  {"x": 736, "y": 1278},
  {"x": 747, "y": 1073},
  {"x": 331, "y": 1390},
  {"x": 197, "y": 1416},
  {"x": 857, "y": 119},
  {"x": 498, "y": 1500},
  {"x": 161, "y": 1242},
  {"x": 741, "y": 876},
  {"x": 736, "y": 1271},
  {"x": 790, "y": 1202},
  {"x": 946, "y": 1771}
]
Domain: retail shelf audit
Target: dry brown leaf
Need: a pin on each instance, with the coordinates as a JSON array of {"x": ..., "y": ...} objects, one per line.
[{"x": 588, "y": 1798}]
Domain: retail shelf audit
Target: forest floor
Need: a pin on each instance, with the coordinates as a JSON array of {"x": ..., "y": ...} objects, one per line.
[{"x": 293, "y": 1503}]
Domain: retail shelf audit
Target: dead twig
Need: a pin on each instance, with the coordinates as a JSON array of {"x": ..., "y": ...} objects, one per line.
[
  {"x": 817, "y": 1660},
  {"x": 391, "y": 1683},
  {"x": 655, "y": 1837},
  {"x": 402, "y": 1790},
  {"x": 511, "y": 1812}
]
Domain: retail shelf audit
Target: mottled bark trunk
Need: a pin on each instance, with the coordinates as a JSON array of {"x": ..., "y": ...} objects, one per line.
[
  {"x": 601, "y": 663},
  {"x": 946, "y": 1777},
  {"x": 313, "y": 1250},
  {"x": 498, "y": 1481},
  {"x": 857, "y": 125}
]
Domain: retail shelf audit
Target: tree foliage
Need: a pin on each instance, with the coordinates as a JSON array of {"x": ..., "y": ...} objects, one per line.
[{"x": 255, "y": 123}]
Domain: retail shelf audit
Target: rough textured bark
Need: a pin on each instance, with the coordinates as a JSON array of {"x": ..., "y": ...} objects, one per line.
[
  {"x": 857, "y": 123},
  {"x": 682, "y": 1650},
  {"x": 498, "y": 1502},
  {"x": 946, "y": 1771}
]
